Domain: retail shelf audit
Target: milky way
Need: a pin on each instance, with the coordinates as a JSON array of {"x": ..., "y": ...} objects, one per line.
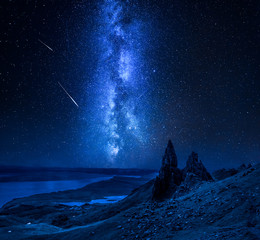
[
  {"x": 120, "y": 94},
  {"x": 142, "y": 72}
]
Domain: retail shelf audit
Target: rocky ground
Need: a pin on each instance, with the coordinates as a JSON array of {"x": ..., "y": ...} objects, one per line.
[
  {"x": 225, "y": 209},
  {"x": 228, "y": 209},
  {"x": 202, "y": 209}
]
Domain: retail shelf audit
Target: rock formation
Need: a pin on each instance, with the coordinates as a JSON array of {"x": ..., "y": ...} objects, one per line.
[
  {"x": 225, "y": 173},
  {"x": 170, "y": 157},
  {"x": 170, "y": 176},
  {"x": 196, "y": 167}
]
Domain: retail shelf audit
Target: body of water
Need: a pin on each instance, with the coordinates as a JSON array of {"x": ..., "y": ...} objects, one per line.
[
  {"x": 11, "y": 190},
  {"x": 105, "y": 200}
]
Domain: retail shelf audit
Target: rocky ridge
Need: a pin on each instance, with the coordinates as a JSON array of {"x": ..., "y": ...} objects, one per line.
[
  {"x": 172, "y": 180},
  {"x": 197, "y": 209},
  {"x": 225, "y": 173}
]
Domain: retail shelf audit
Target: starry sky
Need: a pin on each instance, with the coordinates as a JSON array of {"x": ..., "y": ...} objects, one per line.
[{"x": 141, "y": 72}]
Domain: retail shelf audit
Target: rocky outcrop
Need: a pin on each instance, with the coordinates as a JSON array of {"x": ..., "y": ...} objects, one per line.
[
  {"x": 195, "y": 166},
  {"x": 171, "y": 177},
  {"x": 170, "y": 157},
  {"x": 225, "y": 173}
]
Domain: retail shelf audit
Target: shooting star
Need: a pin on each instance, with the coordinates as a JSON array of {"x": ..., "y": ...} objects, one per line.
[
  {"x": 68, "y": 94},
  {"x": 45, "y": 45}
]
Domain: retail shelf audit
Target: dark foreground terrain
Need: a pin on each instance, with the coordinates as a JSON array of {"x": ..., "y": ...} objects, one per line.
[{"x": 220, "y": 209}]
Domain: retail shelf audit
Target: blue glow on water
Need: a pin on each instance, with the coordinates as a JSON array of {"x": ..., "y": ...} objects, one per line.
[
  {"x": 109, "y": 199},
  {"x": 11, "y": 190}
]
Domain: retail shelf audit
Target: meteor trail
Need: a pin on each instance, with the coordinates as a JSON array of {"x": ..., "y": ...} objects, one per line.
[
  {"x": 68, "y": 94},
  {"x": 45, "y": 45}
]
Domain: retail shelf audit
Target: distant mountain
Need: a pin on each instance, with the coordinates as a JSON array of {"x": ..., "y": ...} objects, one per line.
[
  {"x": 21, "y": 174},
  {"x": 119, "y": 171}
]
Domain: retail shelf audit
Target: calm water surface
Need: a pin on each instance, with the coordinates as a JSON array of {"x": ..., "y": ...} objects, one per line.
[{"x": 11, "y": 190}]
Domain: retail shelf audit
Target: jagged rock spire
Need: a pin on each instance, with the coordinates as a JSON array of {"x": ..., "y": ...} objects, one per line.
[
  {"x": 170, "y": 157},
  {"x": 170, "y": 177},
  {"x": 196, "y": 167}
]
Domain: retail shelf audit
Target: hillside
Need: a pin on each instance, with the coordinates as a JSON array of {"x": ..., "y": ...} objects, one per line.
[{"x": 225, "y": 209}]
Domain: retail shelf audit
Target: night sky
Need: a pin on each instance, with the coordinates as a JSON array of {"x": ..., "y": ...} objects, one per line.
[{"x": 141, "y": 72}]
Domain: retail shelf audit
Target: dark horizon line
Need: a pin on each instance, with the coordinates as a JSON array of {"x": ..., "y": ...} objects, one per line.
[{"x": 2, "y": 167}]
